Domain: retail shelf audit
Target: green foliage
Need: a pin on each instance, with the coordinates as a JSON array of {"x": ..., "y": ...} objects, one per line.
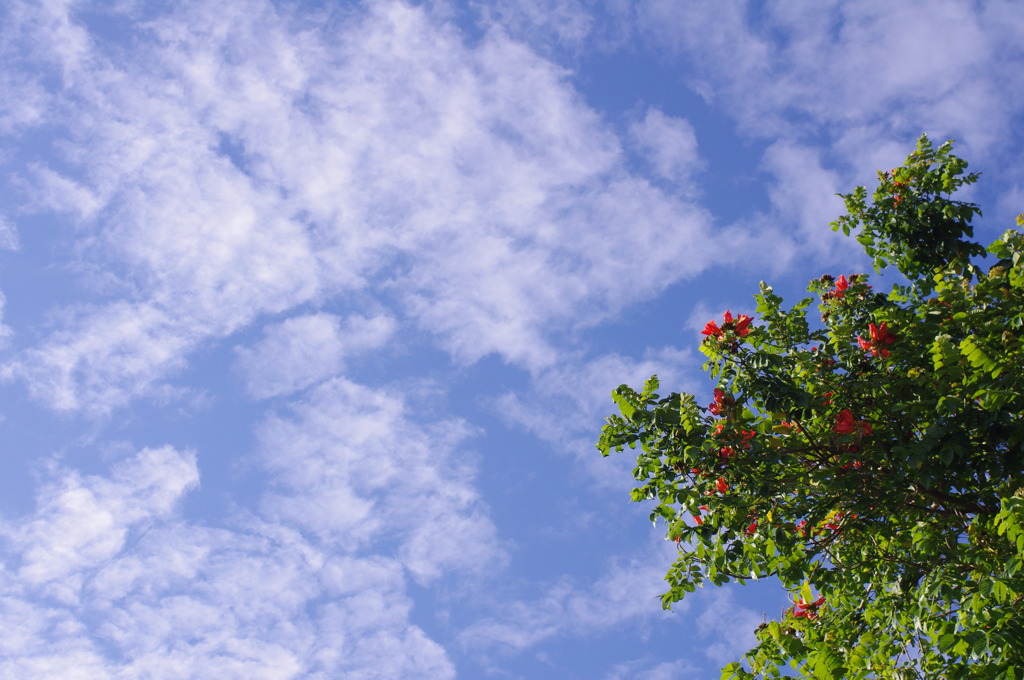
[
  {"x": 911, "y": 223},
  {"x": 872, "y": 463}
]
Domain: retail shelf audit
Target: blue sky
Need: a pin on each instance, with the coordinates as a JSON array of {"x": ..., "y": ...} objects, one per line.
[{"x": 311, "y": 311}]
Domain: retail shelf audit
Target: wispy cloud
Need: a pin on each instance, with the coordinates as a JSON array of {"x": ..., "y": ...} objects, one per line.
[
  {"x": 353, "y": 469},
  {"x": 646, "y": 670},
  {"x": 458, "y": 180},
  {"x": 843, "y": 66},
  {"x": 670, "y": 146},
  {"x": 81, "y": 523},
  {"x": 841, "y": 89},
  {"x": 568, "y": 403},
  {"x": 726, "y": 627},
  {"x": 625, "y": 592},
  {"x": 106, "y": 573},
  {"x": 303, "y": 350}
]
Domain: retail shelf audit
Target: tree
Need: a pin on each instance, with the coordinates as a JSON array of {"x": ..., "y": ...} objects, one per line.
[{"x": 873, "y": 462}]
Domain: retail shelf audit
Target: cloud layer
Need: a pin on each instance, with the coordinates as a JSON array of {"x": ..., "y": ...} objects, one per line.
[{"x": 238, "y": 167}]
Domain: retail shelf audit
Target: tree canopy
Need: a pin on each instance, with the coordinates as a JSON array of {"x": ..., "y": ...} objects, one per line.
[{"x": 871, "y": 458}]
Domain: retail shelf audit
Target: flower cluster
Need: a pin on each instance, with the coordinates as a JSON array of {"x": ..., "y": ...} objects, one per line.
[
  {"x": 836, "y": 519},
  {"x": 846, "y": 424},
  {"x": 807, "y": 610},
  {"x": 716, "y": 406},
  {"x": 880, "y": 338},
  {"x": 841, "y": 285},
  {"x": 740, "y": 326},
  {"x": 739, "y": 437},
  {"x": 898, "y": 189},
  {"x": 844, "y": 285}
]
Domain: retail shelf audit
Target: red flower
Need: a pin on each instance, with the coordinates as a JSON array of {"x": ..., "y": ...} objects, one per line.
[
  {"x": 810, "y": 605},
  {"x": 836, "y": 520},
  {"x": 721, "y": 485},
  {"x": 712, "y": 329},
  {"x": 841, "y": 285},
  {"x": 807, "y": 610},
  {"x": 744, "y": 436},
  {"x": 740, "y": 326},
  {"x": 880, "y": 336},
  {"x": 716, "y": 406},
  {"x": 751, "y": 529},
  {"x": 845, "y": 424},
  {"x": 726, "y": 452}
]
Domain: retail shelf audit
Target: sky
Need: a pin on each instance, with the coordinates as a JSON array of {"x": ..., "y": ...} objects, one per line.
[{"x": 311, "y": 310}]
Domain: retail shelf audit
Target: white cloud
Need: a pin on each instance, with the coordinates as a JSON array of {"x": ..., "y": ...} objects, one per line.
[
  {"x": 123, "y": 348},
  {"x": 572, "y": 398},
  {"x": 727, "y": 626},
  {"x": 566, "y": 23},
  {"x": 106, "y": 579},
  {"x": 470, "y": 185},
  {"x": 5, "y": 331},
  {"x": 845, "y": 65},
  {"x": 473, "y": 181},
  {"x": 670, "y": 145},
  {"x": 646, "y": 670},
  {"x": 260, "y": 603},
  {"x": 54, "y": 192},
  {"x": 24, "y": 100},
  {"x": 292, "y": 355},
  {"x": 81, "y": 523},
  {"x": 8, "y": 235},
  {"x": 842, "y": 89},
  {"x": 353, "y": 469},
  {"x": 805, "y": 193},
  {"x": 303, "y": 350},
  {"x": 627, "y": 591}
]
